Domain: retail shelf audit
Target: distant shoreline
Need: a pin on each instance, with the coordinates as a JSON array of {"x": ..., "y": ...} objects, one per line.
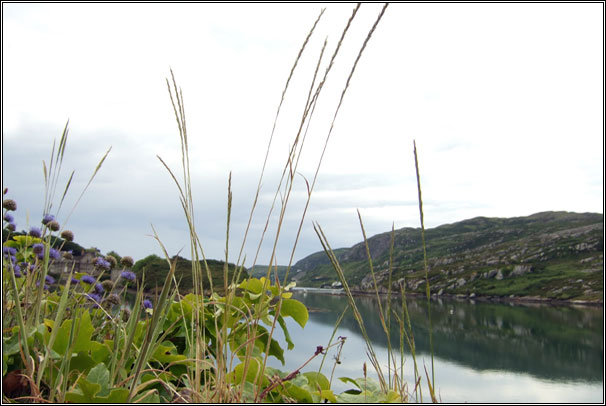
[{"x": 497, "y": 299}]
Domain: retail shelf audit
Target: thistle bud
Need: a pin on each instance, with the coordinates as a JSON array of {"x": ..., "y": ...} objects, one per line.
[{"x": 9, "y": 204}]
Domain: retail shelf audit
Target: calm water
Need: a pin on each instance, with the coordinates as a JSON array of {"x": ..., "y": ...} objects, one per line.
[{"x": 483, "y": 352}]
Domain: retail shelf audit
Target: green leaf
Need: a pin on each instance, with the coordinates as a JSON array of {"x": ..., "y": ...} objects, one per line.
[
  {"x": 298, "y": 393},
  {"x": 166, "y": 353},
  {"x": 369, "y": 384},
  {"x": 82, "y": 362},
  {"x": 82, "y": 338},
  {"x": 317, "y": 379},
  {"x": 349, "y": 398},
  {"x": 117, "y": 395},
  {"x": 296, "y": 310},
  {"x": 237, "y": 375},
  {"x": 391, "y": 397},
  {"x": 289, "y": 342},
  {"x": 326, "y": 394},
  {"x": 23, "y": 241},
  {"x": 274, "y": 347},
  {"x": 100, "y": 376},
  {"x": 89, "y": 389},
  {"x": 253, "y": 285},
  {"x": 346, "y": 380},
  {"x": 10, "y": 345},
  {"x": 99, "y": 352}
]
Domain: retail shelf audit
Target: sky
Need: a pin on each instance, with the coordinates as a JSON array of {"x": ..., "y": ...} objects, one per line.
[{"x": 505, "y": 102}]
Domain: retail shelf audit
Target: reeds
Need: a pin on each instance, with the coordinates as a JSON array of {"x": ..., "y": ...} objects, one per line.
[
  {"x": 394, "y": 382},
  {"x": 216, "y": 384}
]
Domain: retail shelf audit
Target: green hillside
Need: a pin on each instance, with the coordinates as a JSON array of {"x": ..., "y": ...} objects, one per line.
[
  {"x": 556, "y": 255},
  {"x": 154, "y": 269}
]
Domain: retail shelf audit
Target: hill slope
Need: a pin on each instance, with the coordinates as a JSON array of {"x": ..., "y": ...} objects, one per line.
[{"x": 556, "y": 255}]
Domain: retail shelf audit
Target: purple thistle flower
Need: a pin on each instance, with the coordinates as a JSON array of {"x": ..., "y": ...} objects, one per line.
[
  {"x": 11, "y": 227},
  {"x": 45, "y": 285},
  {"x": 38, "y": 248},
  {"x": 128, "y": 275},
  {"x": 35, "y": 232},
  {"x": 94, "y": 297},
  {"x": 48, "y": 218},
  {"x": 88, "y": 279},
  {"x": 49, "y": 279},
  {"x": 8, "y": 217},
  {"x": 147, "y": 304},
  {"x": 99, "y": 288},
  {"x": 102, "y": 263},
  {"x": 75, "y": 281},
  {"x": 17, "y": 271},
  {"x": 54, "y": 254},
  {"x": 9, "y": 250}
]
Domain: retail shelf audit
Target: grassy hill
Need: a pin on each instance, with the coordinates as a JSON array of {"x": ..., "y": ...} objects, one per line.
[
  {"x": 154, "y": 269},
  {"x": 556, "y": 255}
]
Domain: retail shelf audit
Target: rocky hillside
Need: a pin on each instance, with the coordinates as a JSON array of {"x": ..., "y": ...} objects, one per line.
[{"x": 555, "y": 255}]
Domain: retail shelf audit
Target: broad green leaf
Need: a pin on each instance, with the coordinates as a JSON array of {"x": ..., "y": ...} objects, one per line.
[
  {"x": 254, "y": 296},
  {"x": 296, "y": 310},
  {"x": 274, "y": 347},
  {"x": 237, "y": 375},
  {"x": 117, "y": 395},
  {"x": 82, "y": 362},
  {"x": 326, "y": 394},
  {"x": 276, "y": 351},
  {"x": 369, "y": 384},
  {"x": 317, "y": 379},
  {"x": 23, "y": 241},
  {"x": 166, "y": 353},
  {"x": 88, "y": 389},
  {"x": 100, "y": 375},
  {"x": 391, "y": 397},
  {"x": 100, "y": 352},
  {"x": 10, "y": 345},
  {"x": 289, "y": 342},
  {"x": 300, "y": 394},
  {"x": 82, "y": 336},
  {"x": 253, "y": 285}
]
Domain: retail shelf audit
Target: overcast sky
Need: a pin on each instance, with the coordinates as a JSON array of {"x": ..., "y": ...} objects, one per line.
[{"x": 505, "y": 102}]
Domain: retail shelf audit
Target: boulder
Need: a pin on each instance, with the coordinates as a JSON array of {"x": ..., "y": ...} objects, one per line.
[{"x": 520, "y": 270}]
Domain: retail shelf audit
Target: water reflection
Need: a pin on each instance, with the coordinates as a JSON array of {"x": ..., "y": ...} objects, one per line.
[{"x": 557, "y": 343}]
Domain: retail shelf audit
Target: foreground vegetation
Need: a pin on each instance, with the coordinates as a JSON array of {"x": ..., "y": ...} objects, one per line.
[{"x": 83, "y": 339}]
